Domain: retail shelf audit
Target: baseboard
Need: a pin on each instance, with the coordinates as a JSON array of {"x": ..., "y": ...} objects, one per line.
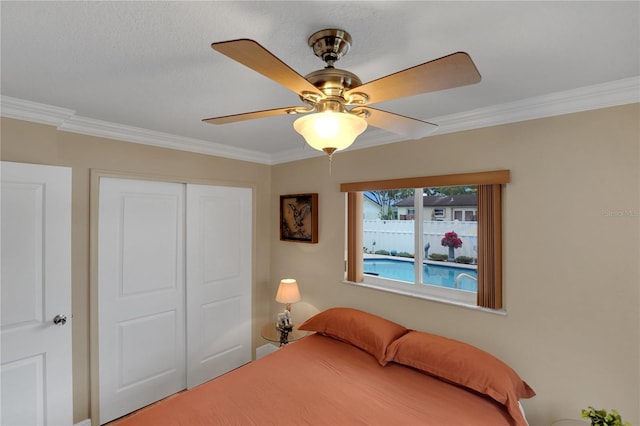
[
  {"x": 265, "y": 350},
  {"x": 85, "y": 422}
]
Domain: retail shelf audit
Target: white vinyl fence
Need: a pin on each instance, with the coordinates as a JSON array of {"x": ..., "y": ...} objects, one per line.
[{"x": 398, "y": 235}]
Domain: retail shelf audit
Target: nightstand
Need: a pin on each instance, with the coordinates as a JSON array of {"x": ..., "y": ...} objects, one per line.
[{"x": 271, "y": 333}]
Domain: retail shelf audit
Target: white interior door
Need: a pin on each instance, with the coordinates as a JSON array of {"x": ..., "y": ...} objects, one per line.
[
  {"x": 35, "y": 281},
  {"x": 219, "y": 265},
  {"x": 141, "y": 293}
]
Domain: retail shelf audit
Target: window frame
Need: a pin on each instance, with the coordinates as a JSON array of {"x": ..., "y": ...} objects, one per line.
[
  {"x": 439, "y": 212},
  {"x": 463, "y": 214},
  {"x": 489, "y": 213}
]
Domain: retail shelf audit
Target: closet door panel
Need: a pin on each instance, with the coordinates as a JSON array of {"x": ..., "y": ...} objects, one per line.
[
  {"x": 219, "y": 276},
  {"x": 141, "y": 293}
]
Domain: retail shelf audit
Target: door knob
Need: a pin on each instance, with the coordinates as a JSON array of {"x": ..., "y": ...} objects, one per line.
[{"x": 60, "y": 319}]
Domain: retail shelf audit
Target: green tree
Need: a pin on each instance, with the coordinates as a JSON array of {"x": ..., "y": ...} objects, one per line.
[
  {"x": 387, "y": 199},
  {"x": 450, "y": 190}
]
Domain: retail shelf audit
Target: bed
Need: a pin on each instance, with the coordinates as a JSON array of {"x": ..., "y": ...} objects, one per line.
[{"x": 356, "y": 369}]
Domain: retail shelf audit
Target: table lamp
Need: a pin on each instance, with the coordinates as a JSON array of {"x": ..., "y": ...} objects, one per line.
[{"x": 288, "y": 292}]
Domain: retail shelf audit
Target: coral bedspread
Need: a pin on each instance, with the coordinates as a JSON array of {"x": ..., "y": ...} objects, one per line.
[{"x": 322, "y": 381}]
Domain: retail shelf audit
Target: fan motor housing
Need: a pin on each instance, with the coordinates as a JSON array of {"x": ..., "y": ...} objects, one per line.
[{"x": 333, "y": 82}]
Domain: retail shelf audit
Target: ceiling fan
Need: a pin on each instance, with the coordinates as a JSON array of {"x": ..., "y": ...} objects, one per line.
[{"x": 337, "y": 103}]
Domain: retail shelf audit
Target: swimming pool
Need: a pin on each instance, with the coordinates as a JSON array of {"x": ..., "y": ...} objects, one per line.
[{"x": 440, "y": 275}]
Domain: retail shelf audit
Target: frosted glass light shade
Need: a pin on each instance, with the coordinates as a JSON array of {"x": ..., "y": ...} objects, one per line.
[
  {"x": 288, "y": 291},
  {"x": 330, "y": 131}
]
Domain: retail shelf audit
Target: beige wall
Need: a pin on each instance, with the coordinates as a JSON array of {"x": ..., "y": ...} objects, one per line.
[
  {"x": 573, "y": 309},
  {"x": 571, "y": 262},
  {"x": 34, "y": 143}
]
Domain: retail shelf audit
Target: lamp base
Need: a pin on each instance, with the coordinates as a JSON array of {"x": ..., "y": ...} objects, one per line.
[{"x": 284, "y": 334}]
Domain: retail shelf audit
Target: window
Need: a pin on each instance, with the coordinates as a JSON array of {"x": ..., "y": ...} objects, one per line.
[
  {"x": 406, "y": 213},
  {"x": 489, "y": 236},
  {"x": 438, "y": 213},
  {"x": 465, "y": 215}
]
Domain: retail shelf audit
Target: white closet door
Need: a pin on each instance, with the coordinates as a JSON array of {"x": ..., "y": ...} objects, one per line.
[
  {"x": 141, "y": 293},
  {"x": 36, "y": 287},
  {"x": 219, "y": 272}
]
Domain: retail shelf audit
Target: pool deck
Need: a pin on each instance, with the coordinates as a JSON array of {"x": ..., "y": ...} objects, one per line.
[{"x": 428, "y": 262}]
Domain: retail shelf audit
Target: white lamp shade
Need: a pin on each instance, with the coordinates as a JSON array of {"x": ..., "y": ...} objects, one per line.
[
  {"x": 330, "y": 130},
  {"x": 288, "y": 291}
]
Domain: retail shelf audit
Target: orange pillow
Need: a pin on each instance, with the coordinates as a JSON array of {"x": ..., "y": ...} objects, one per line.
[
  {"x": 366, "y": 331},
  {"x": 462, "y": 364}
]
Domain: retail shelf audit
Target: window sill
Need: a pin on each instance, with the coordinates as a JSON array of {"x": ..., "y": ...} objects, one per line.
[{"x": 429, "y": 297}]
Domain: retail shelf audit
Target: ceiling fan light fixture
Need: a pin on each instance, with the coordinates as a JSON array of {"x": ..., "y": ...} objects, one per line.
[
  {"x": 330, "y": 131},
  {"x": 327, "y": 124}
]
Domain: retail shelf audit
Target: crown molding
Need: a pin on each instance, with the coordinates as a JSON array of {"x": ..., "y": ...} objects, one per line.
[
  {"x": 67, "y": 121},
  {"x": 33, "y": 111},
  {"x": 105, "y": 129},
  {"x": 609, "y": 94},
  {"x": 614, "y": 93}
]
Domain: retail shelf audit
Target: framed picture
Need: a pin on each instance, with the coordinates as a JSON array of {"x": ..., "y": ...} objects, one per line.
[{"x": 299, "y": 218}]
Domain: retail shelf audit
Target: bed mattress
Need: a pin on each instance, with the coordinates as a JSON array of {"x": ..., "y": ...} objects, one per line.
[{"x": 323, "y": 381}]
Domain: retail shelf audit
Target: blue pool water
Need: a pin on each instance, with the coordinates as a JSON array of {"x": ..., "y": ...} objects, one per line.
[{"x": 440, "y": 275}]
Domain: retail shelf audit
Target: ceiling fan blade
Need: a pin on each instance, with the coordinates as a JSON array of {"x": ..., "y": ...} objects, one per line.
[
  {"x": 251, "y": 115},
  {"x": 406, "y": 126},
  {"x": 450, "y": 71},
  {"x": 251, "y": 54}
]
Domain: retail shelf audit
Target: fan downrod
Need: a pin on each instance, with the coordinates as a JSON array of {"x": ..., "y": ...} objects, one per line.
[{"x": 330, "y": 45}]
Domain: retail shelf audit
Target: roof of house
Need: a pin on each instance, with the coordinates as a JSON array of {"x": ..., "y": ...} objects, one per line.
[
  {"x": 442, "y": 200},
  {"x": 370, "y": 197}
]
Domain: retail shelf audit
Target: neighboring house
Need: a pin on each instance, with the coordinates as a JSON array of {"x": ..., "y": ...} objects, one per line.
[
  {"x": 371, "y": 208},
  {"x": 462, "y": 207}
]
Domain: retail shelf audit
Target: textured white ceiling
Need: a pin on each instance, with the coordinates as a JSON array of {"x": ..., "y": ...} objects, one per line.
[{"x": 149, "y": 65}]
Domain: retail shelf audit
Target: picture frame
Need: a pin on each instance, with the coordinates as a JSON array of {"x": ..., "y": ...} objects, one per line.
[{"x": 299, "y": 218}]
